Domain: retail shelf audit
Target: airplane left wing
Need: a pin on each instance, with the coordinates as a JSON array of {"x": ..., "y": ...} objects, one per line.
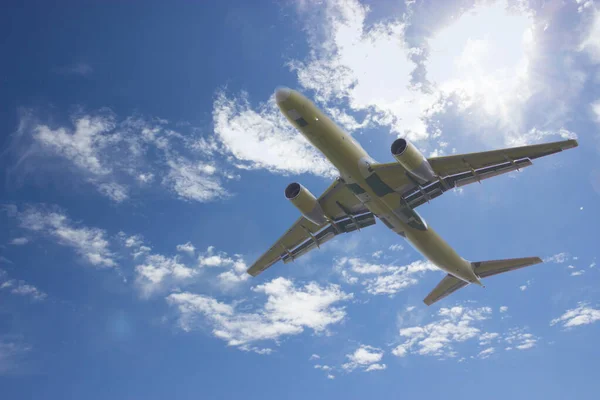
[{"x": 345, "y": 213}]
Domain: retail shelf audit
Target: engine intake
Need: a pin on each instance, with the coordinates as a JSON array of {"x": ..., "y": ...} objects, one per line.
[
  {"x": 412, "y": 160},
  {"x": 306, "y": 202}
]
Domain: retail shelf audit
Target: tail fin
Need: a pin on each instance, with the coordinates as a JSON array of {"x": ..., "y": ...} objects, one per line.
[{"x": 482, "y": 269}]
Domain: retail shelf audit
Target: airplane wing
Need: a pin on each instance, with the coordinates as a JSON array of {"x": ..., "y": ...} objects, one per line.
[
  {"x": 463, "y": 169},
  {"x": 346, "y": 214}
]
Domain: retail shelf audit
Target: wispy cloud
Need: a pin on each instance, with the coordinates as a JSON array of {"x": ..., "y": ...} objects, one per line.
[
  {"x": 520, "y": 339},
  {"x": 382, "y": 279},
  {"x": 524, "y": 287},
  {"x": 90, "y": 243},
  {"x": 263, "y": 138},
  {"x": 455, "y": 325},
  {"x": 186, "y": 248},
  {"x": 20, "y": 241},
  {"x": 288, "y": 310},
  {"x": 123, "y": 156},
  {"x": 194, "y": 180},
  {"x": 583, "y": 314},
  {"x": 558, "y": 258},
  {"x": 483, "y": 354},
  {"x": 20, "y": 288}
]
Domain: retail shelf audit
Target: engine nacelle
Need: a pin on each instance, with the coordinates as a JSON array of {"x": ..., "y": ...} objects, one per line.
[
  {"x": 412, "y": 160},
  {"x": 305, "y": 202}
]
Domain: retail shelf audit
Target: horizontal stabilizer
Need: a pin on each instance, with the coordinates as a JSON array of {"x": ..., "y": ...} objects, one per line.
[
  {"x": 447, "y": 286},
  {"x": 483, "y": 269}
]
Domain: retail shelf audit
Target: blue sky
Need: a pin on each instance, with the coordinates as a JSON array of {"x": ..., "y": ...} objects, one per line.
[{"x": 144, "y": 163}]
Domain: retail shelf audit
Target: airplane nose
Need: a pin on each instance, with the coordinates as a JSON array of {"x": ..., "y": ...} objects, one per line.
[{"x": 281, "y": 94}]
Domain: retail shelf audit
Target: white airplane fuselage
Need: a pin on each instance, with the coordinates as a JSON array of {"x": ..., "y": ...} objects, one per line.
[{"x": 353, "y": 164}]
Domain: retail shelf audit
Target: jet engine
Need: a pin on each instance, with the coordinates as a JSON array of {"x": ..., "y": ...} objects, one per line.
[
  {"x": 412, "y": 160},
  {"x": 305, "y": 202}
]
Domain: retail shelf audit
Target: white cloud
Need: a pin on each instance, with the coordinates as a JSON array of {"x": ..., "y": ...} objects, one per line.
[
  {"x": 145, "y": 177},
  {"x": 264, "y": 139},
  {"x": 186, "y": 248},
  {"x": 376, "y": 367},
  {"x": 20, "y": 241},
  {"x": 118, "y": 155},
  {"x": 483, "y": 354},
  {"x": 525, "y": 286},
  {"x": 83, "y": 144},
  {"x": 89, "y": 243},
  {"x": 377, "y": 254},
  {"x": 370, "y": 68},
  {"x": 591, "y": 43},
  {"x": 236, "y": 272},
  {"x": 455, "y": 325},
  {"x": 330, "y": 376},
  {"x": 211, "y": 258},
  {"x": 411, "y": 73},
  {"x": 20, "y": 288},
  {"x": 487, "y": 338},
  {"x": 518, "y": 339},
  {"x": 557, "y": 258},
  {"x": 288, "y": 311},
  {"x": 578, "y": 273},
  {"x": 194, "y": 180},
  {"x": 596, "y": 110},
  {"x": 366, "y": 358},
  {"x": 503, "y": 309},
  {"x": 257, "y": 350},
  {"x": 157, "y": 271},
  {"x": 133, "y": 241},
  {"x": 580, "y": 315},
  {"x": 323, "y": 367},
  {"x": 396, "y": 247},
  {"x": 113, "y": 191},
  {"x": 315, "y": 357},
  {"x": 390, "y": 279}
]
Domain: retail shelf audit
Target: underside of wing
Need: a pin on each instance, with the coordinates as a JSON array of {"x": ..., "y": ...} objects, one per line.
[
  {"x": 484, "y": 269},
  {"x": 344, "y": 213},
  {"x": 450, "y": 165},
  {"x": 447, "y": 286},
  {"x": 463, "y": 169}
]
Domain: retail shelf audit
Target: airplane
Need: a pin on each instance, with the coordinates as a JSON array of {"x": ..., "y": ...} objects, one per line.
[{"x": 366, "y": 189}]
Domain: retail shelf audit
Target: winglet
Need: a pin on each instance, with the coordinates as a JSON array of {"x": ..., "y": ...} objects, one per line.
[{"x": 569, "y": 144}]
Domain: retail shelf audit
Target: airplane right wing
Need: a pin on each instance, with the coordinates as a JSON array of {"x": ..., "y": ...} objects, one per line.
[
  {"x": 345, "y": 213},
  {"x": 463, "y": 169}
]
